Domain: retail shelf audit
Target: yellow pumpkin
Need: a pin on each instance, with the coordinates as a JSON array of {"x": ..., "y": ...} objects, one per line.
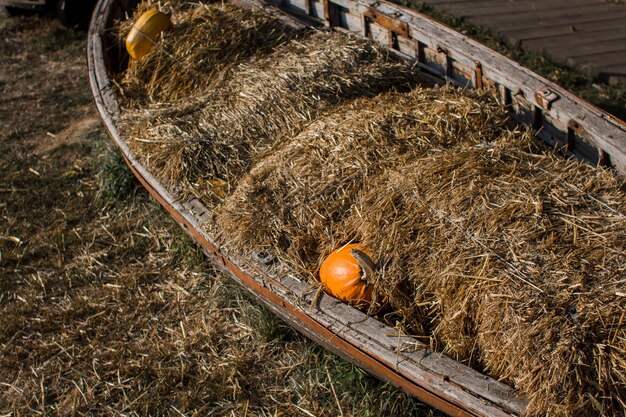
[
  {"x": 146, "y": 32},
  {"x": 345, "y": 272}
]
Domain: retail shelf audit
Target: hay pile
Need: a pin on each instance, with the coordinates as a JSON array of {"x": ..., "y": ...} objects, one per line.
[{"x": 509, "y": 258}]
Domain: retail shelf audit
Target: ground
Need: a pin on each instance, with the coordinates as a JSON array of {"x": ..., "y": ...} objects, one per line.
[{"x": 106, "y": 307}]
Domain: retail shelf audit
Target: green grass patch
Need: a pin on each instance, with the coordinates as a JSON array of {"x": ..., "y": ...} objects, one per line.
[{"x": 117, "y": 181}]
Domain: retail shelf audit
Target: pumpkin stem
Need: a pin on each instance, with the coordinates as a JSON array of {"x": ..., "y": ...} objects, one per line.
[{"x": 365, "y": 262}]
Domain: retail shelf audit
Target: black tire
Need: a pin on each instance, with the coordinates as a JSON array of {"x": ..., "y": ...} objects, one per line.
[{"x": 75, "y": 13}]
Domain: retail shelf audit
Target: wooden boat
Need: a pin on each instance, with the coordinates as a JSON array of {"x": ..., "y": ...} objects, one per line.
[{"x": 558, "y": 117}]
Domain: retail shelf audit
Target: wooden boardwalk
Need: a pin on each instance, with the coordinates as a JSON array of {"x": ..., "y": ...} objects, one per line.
[{"x": 587, "y": 34}]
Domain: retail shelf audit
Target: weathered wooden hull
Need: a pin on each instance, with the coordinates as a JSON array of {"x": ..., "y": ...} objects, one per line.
[{"x": 559, "y": 117}]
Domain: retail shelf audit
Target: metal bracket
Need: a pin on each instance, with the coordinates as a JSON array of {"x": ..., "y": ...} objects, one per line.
[
  {"x": 388, "y": 22},
  {"x": 545, "y": 97}
]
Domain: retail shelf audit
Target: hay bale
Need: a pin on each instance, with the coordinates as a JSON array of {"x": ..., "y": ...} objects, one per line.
[
  {"x": 208, "y": 142},
  {"x": 295, "y": 199}
]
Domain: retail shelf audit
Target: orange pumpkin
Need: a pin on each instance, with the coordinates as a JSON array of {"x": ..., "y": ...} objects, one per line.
[
  {"x": 146, "y": 32},
  {"x": 345, "y": 272}
]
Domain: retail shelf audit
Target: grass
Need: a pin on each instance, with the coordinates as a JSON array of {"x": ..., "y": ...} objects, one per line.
[
  {"x": 117, "y": 181},
  {"x": 584, "y": 84}
]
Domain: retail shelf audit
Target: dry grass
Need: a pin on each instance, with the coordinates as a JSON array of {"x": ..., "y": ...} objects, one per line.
[
  {"x": 106, "y": 308},
  {"x": 510, "y": 258}
]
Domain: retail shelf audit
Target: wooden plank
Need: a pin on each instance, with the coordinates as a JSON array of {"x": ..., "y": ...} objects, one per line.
[
  {"x": 606, "y": 59},
  {"x": 498, "y": 8},
  {"x": 407, "y": 46},
  {"x": 554, "y": 17},
  {"x": 349, "y": 21},
  {"x": 519, "y": 36},
  {"x": 387, "y": 22},
  {"x": 317, "y": 10},
  {"x": 616, "y": 68},
  {"x": 617, "y": 46},
  {"x": 540, "y": 22},
  {"x": 441, "y": 4},
  {"x": 435, "y": 60},
  {"x": 576, "y": 40},
  {"x": 352, "y": 5},
  {"x": 379, "y": 34}
]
